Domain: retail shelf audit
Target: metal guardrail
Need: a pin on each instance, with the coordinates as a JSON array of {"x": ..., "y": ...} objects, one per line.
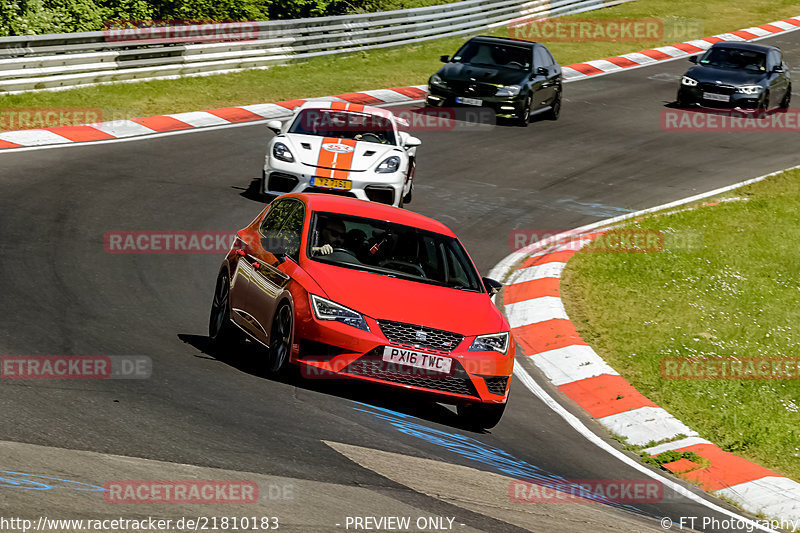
[{"x": 60, "y": 61}]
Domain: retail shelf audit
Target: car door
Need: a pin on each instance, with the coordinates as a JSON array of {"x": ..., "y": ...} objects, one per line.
[
  {"x": 546, "y": 74},
  {"x": 554, "y": 71},
  {"x": 274, "y": 257},
  {"x": 778, "y": 80},
  {"x": 551, "y": 85},
  {"x": 539, "y": 88},
  {"x": 240, "y": 282}
]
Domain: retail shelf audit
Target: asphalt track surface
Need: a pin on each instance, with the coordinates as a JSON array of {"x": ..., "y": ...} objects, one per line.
[{"x": 63, "y": 294}]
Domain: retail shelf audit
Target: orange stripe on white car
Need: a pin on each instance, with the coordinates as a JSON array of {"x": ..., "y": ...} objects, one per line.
[
  {"x": 341, "y": 106},
  {"x": 335, "y": 157}
]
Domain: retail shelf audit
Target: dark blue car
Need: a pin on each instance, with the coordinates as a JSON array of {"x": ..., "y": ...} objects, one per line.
[{"x": 737, "y": 75}]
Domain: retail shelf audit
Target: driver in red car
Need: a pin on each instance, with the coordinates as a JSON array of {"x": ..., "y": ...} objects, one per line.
[{"x": 332, "y": 235}]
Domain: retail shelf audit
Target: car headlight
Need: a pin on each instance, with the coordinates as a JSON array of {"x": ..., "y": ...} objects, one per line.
[
  {"x": 689, "y": 82},
  {"x": 390, "y": 164},
  {"x": 437, "y": 81},
  {"x": 328, "y": 310},
  {"x": 496, "y": 341},
  {"x": 509, "y": 90},
  {"x": 749, "y": 89},
  {"x": 281, "y": 151}
]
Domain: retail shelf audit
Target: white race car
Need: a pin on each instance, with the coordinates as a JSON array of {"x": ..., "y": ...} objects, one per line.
[{"x": 347, "y": 149}]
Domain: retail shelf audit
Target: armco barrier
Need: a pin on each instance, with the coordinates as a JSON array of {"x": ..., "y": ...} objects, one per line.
[{"x": 50, "y": 62}]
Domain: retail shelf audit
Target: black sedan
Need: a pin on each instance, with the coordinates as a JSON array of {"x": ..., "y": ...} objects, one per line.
[
  {"x": 736, "y": 75},
  {"x": 515, "y": 78}
]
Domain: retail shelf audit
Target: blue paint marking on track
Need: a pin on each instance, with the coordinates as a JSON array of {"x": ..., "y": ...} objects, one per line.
[
  {"x": 483, "y": 453},
  {"x": 593, "y": 209},
  {"x": 20, "y": 480}
]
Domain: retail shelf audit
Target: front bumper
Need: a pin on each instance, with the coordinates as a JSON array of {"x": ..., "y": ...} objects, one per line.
[
  {"x": 281, "y": 178},
  {"x": 503, "y": 106},
  {"x": 696, "y": 95},
  {"x": 329, "y": 349}
]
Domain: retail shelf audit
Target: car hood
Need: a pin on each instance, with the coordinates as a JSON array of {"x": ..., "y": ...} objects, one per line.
[
  {"x": 341, "y": 154},
  {"x": 384, "y": 298},
  {"x": 716, "y": 75},
  {"x": 494, "y": 76}
]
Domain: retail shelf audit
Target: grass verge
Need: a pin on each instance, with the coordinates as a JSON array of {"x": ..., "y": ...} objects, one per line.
[
  {"x": 407, "y": 65},
  {"x": 734, "y": 297}
]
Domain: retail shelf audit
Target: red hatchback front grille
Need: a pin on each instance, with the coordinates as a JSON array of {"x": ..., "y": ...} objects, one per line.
[{"x": 372, "y": 365}]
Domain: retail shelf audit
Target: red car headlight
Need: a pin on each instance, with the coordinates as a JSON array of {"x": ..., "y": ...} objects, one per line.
[{"x": 328, "y": 310}]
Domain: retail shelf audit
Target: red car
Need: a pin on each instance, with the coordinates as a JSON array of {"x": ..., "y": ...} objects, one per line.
[{"x": 349, "y": 288}]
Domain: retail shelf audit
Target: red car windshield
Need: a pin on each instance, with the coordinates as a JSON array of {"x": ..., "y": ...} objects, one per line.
[
  {"x": 344, "y": 125},
  {"x": 393, "y": 250}
]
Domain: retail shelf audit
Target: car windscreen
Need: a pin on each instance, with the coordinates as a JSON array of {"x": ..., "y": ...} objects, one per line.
[
  {"x": 344, "y": 125},
  {"x": 391, "y": 249},
  {"x": 735, "y": 58},
  {"x": 494, "y": 55}
]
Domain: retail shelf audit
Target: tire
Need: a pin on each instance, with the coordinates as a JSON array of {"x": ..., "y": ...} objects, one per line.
[
  {"x": 221, "y": 331},
  {"x": 555, "y": 110},
  {"x": 787, "y": 99},
  {"x": 524, "y": 116},
  {"x": 280, "y": 340},
  {"x": 681, "y": 101},
  {"x": 481, "y": 416}
]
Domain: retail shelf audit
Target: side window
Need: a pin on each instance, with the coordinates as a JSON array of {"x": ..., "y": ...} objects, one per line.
[
  {"x": 772, "y": 60},
  {"x": 538, "y": 59},
  {"x": 293, "y": 229},
  {"x": 284, "y": 225},
  {"x": 275, "y": 217},
  {"x": 541, "y": 57}
]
